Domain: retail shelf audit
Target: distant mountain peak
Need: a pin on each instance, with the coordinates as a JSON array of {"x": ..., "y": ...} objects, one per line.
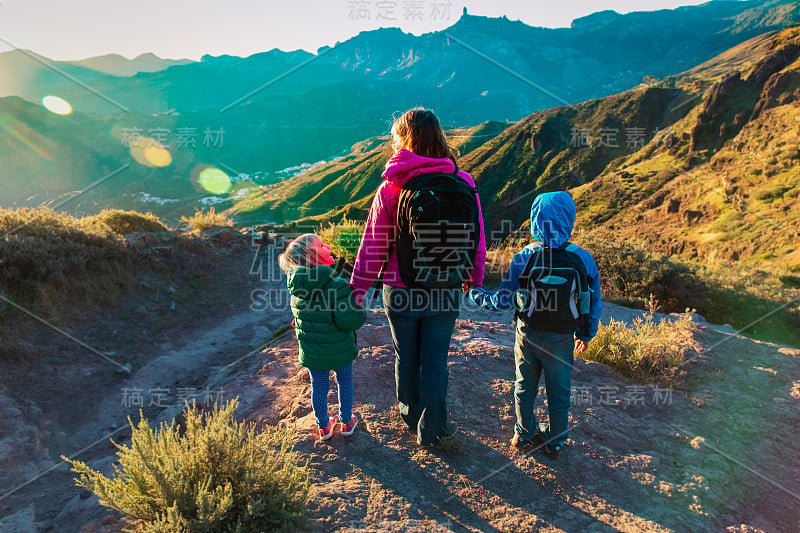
[
  {"x": 391, "y": 31},
  {"x": 119, "y": 65},
  {"x": 21, "y": 52},
  {"x": 147, "y": 55},
  {"x": 600, "y": 18}
]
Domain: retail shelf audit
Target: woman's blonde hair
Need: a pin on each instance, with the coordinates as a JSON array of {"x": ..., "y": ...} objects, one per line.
[
  {"x": 419, "y": 131},
  {"x": 302, "y": 251}
]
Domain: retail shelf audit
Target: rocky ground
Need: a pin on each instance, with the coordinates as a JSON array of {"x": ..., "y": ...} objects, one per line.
[
  {"x": 174, "y": 331},
  {"x": 715, "y": 452}
]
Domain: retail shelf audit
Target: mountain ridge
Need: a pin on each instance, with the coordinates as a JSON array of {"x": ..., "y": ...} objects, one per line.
[
  {"x": 728, "y": 120},
  {"x": 119, "y": 65},
  {"x": 535, "y": 53},
  {"x": 275, "y": 115}
]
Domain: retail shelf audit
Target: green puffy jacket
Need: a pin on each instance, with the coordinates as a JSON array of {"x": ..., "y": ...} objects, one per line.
[{"x": 325, "y": 317}]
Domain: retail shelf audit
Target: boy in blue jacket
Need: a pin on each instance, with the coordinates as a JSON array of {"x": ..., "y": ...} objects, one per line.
[{"x": 550, "y": 328}]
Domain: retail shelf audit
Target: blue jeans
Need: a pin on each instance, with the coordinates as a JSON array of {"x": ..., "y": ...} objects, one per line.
[
  {"x": 321, "y": 384},
  {"x": 537, "y": 351},
  {"x": 422, "y": 323}
]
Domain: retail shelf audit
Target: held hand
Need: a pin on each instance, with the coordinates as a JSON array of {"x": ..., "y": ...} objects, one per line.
[
  {"x": 465, "y": 287},
  {"x": 580, "y": 346},
  {"x": 358, "y": 297}
]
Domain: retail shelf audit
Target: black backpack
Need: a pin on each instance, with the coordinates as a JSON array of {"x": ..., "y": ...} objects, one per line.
[
  {"x": 438, "y": 231},
  {"x": 553, "y": 292}
]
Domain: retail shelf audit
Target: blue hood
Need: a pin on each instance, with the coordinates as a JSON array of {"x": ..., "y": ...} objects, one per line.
[{"x": 552, "y": 218}]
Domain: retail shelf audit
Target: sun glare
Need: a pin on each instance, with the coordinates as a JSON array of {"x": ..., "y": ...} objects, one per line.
[
  {"x": 150, "y": 153},
  {"x": 215, "y": 181},
  {"x": 57, "y": 105}
]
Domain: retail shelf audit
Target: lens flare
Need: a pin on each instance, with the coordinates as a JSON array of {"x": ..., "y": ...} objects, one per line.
[
  {"x": 27, "y": 137},
  {"x": 158, "y": 156},
  {"x": 57, "y": 105},
  {"x": 215, "y": 181},
  {"x": 150, "y": 153}
]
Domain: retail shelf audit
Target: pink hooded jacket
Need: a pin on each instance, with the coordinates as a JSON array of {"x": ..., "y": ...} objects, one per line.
[{"x": 382, "y": 228}]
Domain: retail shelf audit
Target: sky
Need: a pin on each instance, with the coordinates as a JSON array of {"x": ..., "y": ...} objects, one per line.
[{"x": 76, "y": 29}]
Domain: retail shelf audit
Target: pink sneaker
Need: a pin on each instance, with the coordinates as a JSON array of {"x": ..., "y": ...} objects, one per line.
[
  {"x": 326, "y": 432},
  {"x": 348, "y": 428}
]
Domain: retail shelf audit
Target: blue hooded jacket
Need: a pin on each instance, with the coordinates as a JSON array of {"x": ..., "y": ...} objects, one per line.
[{"x": 552, "y": 222}]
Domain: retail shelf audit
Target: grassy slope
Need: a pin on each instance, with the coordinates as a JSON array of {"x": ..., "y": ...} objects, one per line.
[
  {"x": 344, "y": 186},
  {"x": 724, "y": 196},
  {"x": 724, "y": 159},
  {"x": 729, "y": 159},
  {"x": 736, "y": 203},
  {"x": 537, "y": 154}
]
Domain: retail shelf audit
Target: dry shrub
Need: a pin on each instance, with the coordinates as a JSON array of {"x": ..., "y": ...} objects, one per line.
[
  {"x": 202, "y": 221},
  {"x": 126, "y": 222},
  {"x": 499, "y": 256},
  {"x": 219, "y": 475},
  {"x": 44, "y": 252},
  {"x": 647, "y": 351},
  {"x": 344, "y": 238}
]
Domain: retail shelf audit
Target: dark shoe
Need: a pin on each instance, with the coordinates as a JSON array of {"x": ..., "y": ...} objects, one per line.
[
  {"x": 518, "y": 441},
  {"x": 449, "y": 442},
  {"x": 553, "y": 450},
  {"x": 450, "y": 430}
]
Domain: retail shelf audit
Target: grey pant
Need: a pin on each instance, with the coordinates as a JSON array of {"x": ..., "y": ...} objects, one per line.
[{"x": 535, "y": 352}]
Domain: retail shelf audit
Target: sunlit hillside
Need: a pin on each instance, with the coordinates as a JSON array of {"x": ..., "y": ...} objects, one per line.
[
  {"x": 343, "y": 187},
  {"x": 726, "y": 186},
  {"x": 259, "y": 119},
  {"x": 702, "y": 164}
]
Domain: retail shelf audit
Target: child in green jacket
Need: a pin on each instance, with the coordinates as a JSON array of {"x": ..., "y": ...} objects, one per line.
[{"x": 326, "y": 318}]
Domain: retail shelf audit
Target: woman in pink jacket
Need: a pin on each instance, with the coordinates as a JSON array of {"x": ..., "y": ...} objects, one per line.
[{"x": 421, "y": 320}]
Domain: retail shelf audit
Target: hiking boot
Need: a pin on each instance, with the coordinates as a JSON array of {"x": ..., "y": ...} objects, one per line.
[
  {"x": 517, "y": 441},
  {"x": 553, "y": 450},
  {"x": 450, "y": 430},
  {"x": 326, "y": 432},
  {"x": 348, "y": 428},
  {"x": 449, "y": 442}
]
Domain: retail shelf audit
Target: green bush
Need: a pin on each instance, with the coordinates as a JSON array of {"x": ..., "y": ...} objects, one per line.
[
  {"x": 125, "y": 222},
  {"x": 646, "y": 352},
  {"x": 755, "y": 301},
  {"x": 202, "y": 221},
  {"x": 218, "y": 476},
  {"x": 773, "y": 193},
  {"x": 790, "y": 281},
  {"x": 344, "y": 237},
  {"x": 632, "y": 275}
]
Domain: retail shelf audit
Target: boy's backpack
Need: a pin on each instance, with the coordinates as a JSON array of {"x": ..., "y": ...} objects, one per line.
[
  {"x": 438, "y": 231},
  {"x": 553, "y": 292}
]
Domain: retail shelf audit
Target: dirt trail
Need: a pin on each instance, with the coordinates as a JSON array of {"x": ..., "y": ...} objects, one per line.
[
  {"x": 98, "y": 409},
  {"x": 719, "y": 452}
]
